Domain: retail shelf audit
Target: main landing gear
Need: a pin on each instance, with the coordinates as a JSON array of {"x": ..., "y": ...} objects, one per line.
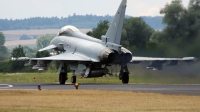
[
  {"x": 62, "y": 71},
  {"x": 63, "y": 77},
  {"x": 124, "y": 74}
]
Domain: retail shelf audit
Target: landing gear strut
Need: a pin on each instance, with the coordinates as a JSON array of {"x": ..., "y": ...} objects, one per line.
[
  {"x": 124, "y": 74},
  {"x": 73, "y": 78},
  {"x": 62, "y": 71}
]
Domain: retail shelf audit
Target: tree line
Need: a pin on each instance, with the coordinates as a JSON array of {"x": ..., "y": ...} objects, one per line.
[{"x": 80, "y": 21}]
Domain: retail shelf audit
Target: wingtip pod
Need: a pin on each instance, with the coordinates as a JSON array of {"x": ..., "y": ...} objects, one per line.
[
  {"x": 194, "y": 59},
  {"x": 23, "y": 59}
]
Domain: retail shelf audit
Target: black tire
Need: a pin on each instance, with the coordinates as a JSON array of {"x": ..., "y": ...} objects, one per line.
[
  {"x": 125, "y": 78},
  {"x": 120, "y": 76},
  {"x": 62, "y": 78},
  {"x": 73, "y": 79}
]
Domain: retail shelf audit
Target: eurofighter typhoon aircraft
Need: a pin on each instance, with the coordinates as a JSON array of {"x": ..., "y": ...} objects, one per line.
[{"x": 77, "y": 48}]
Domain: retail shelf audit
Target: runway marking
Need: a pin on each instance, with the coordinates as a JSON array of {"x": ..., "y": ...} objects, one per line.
[
  {"x": 22, "y": 89},
  {"x": 5, "y": 86}
]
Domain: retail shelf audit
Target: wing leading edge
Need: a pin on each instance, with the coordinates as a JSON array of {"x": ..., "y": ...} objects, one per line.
[
  {"x": 64, "y": 57},
  {"x": 41, "y": 63}
]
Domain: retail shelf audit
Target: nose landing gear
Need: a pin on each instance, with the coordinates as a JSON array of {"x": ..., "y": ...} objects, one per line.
[{"x": 73, "y": 78}]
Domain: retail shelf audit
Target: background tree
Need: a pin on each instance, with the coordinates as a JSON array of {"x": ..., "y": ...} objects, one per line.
[
  {"x": 44, "y": 41},
  {"x": 24, "y": 37},
  {"x": 2, "y": 56},
  {"x": 29, "y": 52},
  {"x": 181, "y": 35},
  {"x": 174, "y": 17},
  {"x": 16, "y": 53},
  {"x": 136, "y": 33},
  {"x": 193, "y": 19},
  {"x": 2, "y": 39},
  {"x": 3, "y": 49},
  {"x": 100, "y": 30},
  {"x": 42, "y": 54}
]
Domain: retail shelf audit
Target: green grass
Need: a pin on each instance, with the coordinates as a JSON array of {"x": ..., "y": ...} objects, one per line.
[
  {"x": 28, "y": 77},
  {"x": 134, "y": 78}
]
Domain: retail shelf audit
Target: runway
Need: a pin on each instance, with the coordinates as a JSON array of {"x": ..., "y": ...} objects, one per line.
[{"x": 146, "y": 88}]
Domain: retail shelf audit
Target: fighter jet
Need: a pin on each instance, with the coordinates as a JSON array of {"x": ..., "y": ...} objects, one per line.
[{"x": 96, "y": 55}]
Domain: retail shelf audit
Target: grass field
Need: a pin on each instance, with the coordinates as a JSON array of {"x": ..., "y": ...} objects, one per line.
[
  {"x": 21, "y": 42},
  {"x": 95, "y": 101},
  {"x": 134, "y": 78},
  {"x": 12, "y": 37}
]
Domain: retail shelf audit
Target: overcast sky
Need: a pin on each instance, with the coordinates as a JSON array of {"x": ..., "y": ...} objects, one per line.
[{"x": 17, "y": 9}]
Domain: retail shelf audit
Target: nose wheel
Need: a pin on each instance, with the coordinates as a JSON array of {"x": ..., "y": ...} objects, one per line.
[{"x": 73, "y": 78}]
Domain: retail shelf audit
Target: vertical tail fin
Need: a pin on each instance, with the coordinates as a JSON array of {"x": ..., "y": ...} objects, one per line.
[{"x": 115, "y": 30}]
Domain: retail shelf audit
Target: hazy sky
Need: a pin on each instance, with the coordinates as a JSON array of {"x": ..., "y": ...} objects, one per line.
[{"x": 17, "y": 9}]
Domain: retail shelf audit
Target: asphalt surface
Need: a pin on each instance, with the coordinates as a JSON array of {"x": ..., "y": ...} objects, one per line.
[{"x": 146, "y": 88}]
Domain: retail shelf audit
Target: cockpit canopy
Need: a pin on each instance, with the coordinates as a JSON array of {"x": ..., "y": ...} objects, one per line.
[{"x": 67, "y": 31}]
